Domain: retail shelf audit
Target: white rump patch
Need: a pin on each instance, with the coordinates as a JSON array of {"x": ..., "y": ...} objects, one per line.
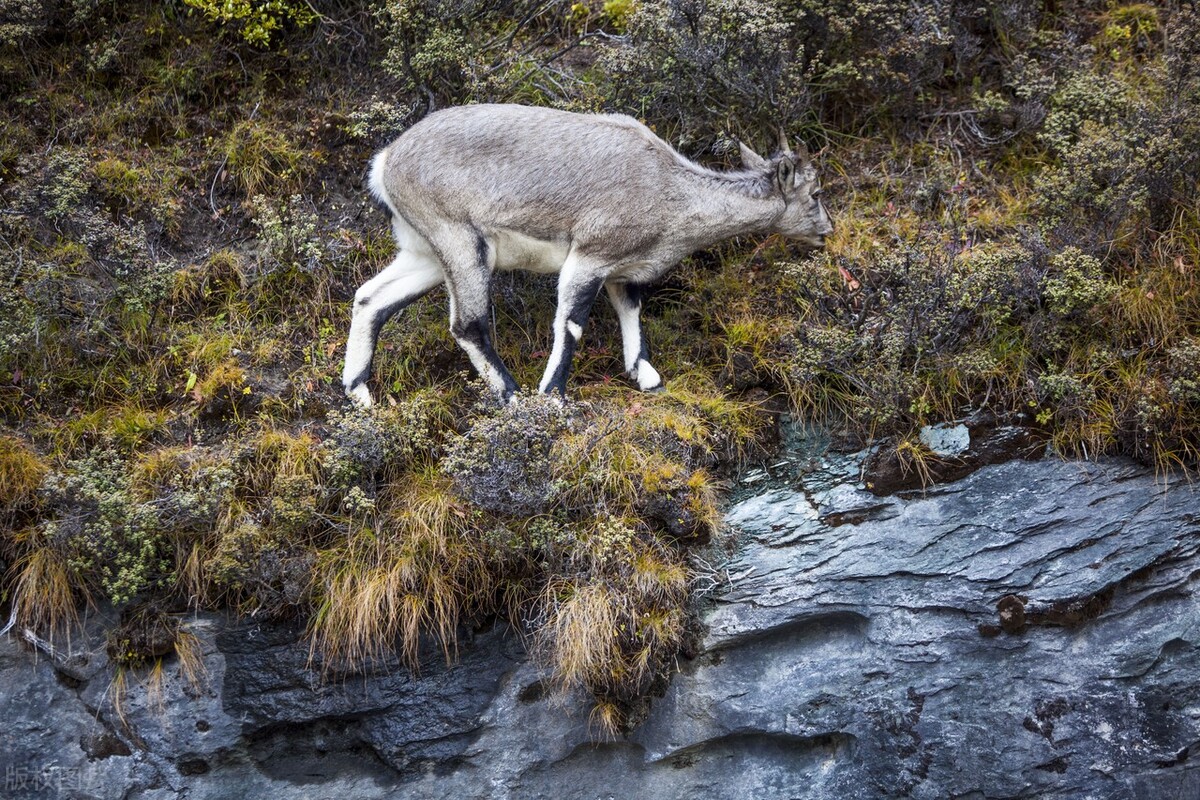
[
  {"x": 575, "y": 329},
  {"x": 375, "y": 180}
]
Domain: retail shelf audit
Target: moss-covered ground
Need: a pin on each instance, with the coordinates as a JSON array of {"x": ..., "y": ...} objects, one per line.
[{"x": 183, "y": 223}]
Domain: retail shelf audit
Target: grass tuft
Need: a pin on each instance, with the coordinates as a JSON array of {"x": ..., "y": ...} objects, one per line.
[
  {"x": 414, "y": 569},
  {"x": 21, "y": 473},
  {"x": 45, "y": 591}
]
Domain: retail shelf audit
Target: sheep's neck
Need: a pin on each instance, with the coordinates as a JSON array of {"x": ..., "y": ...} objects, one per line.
[{"x": 721, "y": 205}]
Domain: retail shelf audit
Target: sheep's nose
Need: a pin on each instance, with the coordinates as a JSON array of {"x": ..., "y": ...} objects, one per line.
[{"x": 825, "y": 226}]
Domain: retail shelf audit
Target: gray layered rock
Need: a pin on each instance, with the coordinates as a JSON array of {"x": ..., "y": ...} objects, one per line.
[{"x": 1030, "y": 631}]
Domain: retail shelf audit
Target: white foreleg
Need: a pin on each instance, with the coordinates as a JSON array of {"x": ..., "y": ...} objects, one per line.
[
  {"x": 626, "y": 298},
  {"x": 578, "y": 285}
]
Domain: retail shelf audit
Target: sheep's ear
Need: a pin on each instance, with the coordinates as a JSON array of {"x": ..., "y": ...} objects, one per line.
[
  {"x": 802, "y": 153},
  {"x": 785, "y": 174},
  {"x": 784, "y": 147},
  {"x": 751, "y": 159}
]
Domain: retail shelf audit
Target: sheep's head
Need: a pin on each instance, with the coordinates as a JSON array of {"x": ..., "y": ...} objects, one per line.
[{"x": 804, "y": 216}]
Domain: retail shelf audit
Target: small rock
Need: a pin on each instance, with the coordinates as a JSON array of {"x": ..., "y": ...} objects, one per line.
[{"x": 945, "y": 439}]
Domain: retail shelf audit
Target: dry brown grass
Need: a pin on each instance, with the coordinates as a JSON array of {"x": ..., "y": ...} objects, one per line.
[
  {"x": 45, "y": 591},
  {"x": 412, "y": 569},
  {"x": 581, "y": 636},
  {"x": 21, "y": 473},
  {"x": 192, "y": 668}
]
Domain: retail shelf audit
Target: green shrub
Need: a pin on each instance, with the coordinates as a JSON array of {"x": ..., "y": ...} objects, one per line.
[
  {"x": 258, "y": 22},
  {"x": 66, "y": 184},
  {"x": 1129, "y": 153},
  {"x": 1075, "y": 284},
  {"x": 1086, "y": 97},
  {"x": 892, "y": 357},
  {"x": 191, "y": 487},
  {"x": 261, "y": 569},
  {"x": 23, "y": 20},
  {"x": 454, "y": 50},
  {"x": 702, "y": 70},
  {"x": 379, "y": 121},
  {"x": 111, "y": 538},
  {"x": 1183, "y": 372},
  {"x": 364, "y": 445},
  {"x": 290, "y": 233},
  {"x": 695, "y": 69}
]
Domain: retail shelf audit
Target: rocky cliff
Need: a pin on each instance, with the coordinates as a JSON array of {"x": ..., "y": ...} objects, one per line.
[{"x": 1030, "y": 631}]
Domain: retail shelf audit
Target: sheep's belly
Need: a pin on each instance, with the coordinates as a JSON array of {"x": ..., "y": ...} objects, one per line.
[{"x": 518, "y": 251}]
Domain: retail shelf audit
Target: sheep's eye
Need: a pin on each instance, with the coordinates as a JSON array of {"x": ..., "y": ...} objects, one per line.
[{"x": 815, "y": 195}]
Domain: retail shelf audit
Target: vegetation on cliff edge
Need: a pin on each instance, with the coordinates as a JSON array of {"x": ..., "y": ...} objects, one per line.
[{"x": 183, "y": 225}]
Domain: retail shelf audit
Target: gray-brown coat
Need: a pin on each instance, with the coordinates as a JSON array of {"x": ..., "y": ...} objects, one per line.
[{"x": 598, "y": 199}]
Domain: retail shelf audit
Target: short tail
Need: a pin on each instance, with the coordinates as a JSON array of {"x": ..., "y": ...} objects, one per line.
[{"x": 375, "y": 182}]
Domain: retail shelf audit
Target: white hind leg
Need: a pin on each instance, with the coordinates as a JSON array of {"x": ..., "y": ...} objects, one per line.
[{"x": 410, "y": 276}]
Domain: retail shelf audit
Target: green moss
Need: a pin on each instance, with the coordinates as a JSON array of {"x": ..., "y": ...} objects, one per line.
[
  {"x": 125, "y": 426},
  {"x": 1130, "y": 31},
  {"x": 618, "y": 12}
]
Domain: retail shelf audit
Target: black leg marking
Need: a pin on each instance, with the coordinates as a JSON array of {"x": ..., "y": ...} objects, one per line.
[
  {"x": 382, "y": 206},
  {"x": 482, "y": 251},
  {"x": 580, "y": 310},
  {"x": 477, "y": 333},
  {"x": 378, "y": 320},
  {"x": 380, "y": 317},
  {"x": 558, "y": 381},
  {"x": 634, "y": 292}
]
